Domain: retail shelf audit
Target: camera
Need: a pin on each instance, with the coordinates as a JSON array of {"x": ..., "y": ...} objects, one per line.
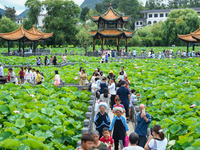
[{"x": 151, "y": 131}]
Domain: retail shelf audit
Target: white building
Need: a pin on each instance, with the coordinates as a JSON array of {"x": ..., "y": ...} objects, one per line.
[{"x": 155, "y": 16}]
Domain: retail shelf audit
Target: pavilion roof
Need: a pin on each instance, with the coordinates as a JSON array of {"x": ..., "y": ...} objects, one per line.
[
  {"x": 19, "y": 34},
  {"x": 111, "y": 32},
  {"x": 37, "y": 32},
  {"x": 110, "y": 15}
]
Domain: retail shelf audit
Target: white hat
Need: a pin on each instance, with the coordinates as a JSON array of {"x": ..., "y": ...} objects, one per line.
[
  {"x": 103, "y": 104},
  {"x": 118, "y": 108}
]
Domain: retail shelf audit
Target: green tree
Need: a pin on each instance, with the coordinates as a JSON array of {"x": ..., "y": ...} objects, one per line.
[
  {"x": 106, "y": 4},
  {"x": 10, "y": 13},
  {"x": 84, "y": 39},
  {"x": 0, "y": 15},
  {"x": 99, "y": 7},
  {"x": 27, "y": 24},
  {"x": 115, "y": 3},
  {"x": 84, "y": 12},
  {"x": 180, "y": 21},
  {"x": 34, "y": 7},
  {"x": 62, "y": 20},
  {"x": 155, "y": 4}
]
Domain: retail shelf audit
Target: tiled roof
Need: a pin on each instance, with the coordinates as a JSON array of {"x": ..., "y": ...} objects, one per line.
[
  {"x": 187, "y": 38},
  {"x": 109, "y": 32},
  {"x": 37, "y": 32},
  {"x": 166, "y": 10},
  {"x": 110, "y": 15},
  {"x": 19, "y": 34}
]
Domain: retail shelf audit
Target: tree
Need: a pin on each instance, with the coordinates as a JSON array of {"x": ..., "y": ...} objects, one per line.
[
  {"x": 84, "y": 12},
  {"x": 180, "y": 21},
  {"x": 0, "y": 15},
  {"x": 155, "y": 4},
  {"x": 34, "y": 7},
  {"x": 84, "y": 39},
  {"x": 99, "y": 7},
  {"x": 27, "y": 24},
  {"x": 62, "y": 20},
  {"x": 115, "y": 3},
  {"x": 10, "y": 13}
]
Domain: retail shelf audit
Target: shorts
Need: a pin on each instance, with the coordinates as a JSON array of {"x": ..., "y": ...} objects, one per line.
[
  {"x": 21, "y": 79},
  {"x": 39, "y": 82}
]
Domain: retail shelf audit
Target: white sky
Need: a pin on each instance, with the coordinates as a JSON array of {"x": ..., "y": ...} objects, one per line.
[{"x": 19, "y": 4}]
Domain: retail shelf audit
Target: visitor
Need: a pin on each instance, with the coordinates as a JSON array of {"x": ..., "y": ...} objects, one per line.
[
  {"x": 21, "y": 75},
  {"x": 129, "y": 52},
  {"x": 111, "y": 75},
  {"x": 153, "y": 55},
  {"x": 64, "y": 58},
  {"x": 83, "y": 77},
  {"x": 184, "y": 54},
  {"x": 122, "y": 69},
  {"x": 94, "y": 86},
  {"x": 143, "y": 121},
  {"x": 102, "y": 119},
  {"x": 103, "y": 84},
  {"x": 29, "y": 76},
  {"x": 106, "y": 57},
  {"x": 97, "y": 70},
  {"x": 133, "y": 99},
  {"x": 111, "y": 87},
  {"x": 92, "y": 78},
  {"x": 12, "y": 75},
  {"x": 1, "y": 70},
  {"x": 171, "y": 51},
  {"x": 38, "y": 78},
  {"x": 133, "y": 139},
  {"x": 124, "y": 95},
  {"x": 51, "y": 60},
  {"x": 39, "y": 61},
  {"x": 105, "y": 97},
  {"x": 101, "y": 75},
  {"x": 134, "y": 53},
  {"x": 103, "y": 57},
  {"x": 45, "y": 61},
  {"x": 189, "y": 54},
  {"x": 57, "y": 78},
  {"x": 42, "y": 77},
  {"x": 120, "y": 127},
  {"x": 156, "y": 141},
  {"x": 34, "y": 74},
  {"x": 54, "y": 60},
  {"x": 121, "y": 75},
  {"x": 193, "y": 53},
  {"x": 118, "y": 104},
  {"x": 107, "y": 138},
  {"x": 98, "y": 145},
  {"x": 159, "y": 55},
  {"x": 149, "y": 54},
  {"x": 87, "y": 142},
  {"x": 127, "y": 81}
]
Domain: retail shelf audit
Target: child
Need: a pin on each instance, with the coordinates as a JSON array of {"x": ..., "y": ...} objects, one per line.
[
  {"x": 106, "y": 138},
  {"x": 120, "y": 127},
  {"x": 133, "y": 98},
  {"x": 118, "y": 104},
  {"x": 102, "y": 119}
]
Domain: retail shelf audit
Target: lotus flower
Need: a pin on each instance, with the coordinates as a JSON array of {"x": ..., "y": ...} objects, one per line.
[
  {"x": 190, "y": 57},
  {"x": 199, "y": 78},
  {"x": 16, "y": 111},
  {"x": 76, "y": 78},
  {"x": 142, "y": 70},
  {"x": 158, "y": 58},
  {"x": 169, "y": 58},
  {"x": 143, "y": 65},
  {"x": 135, "y": 64},
  {"x": 159, "y": 82},
  {"x": 32, "y": 95},
  {"x": 109, "y": 62},
  {"x": 191, "y": 65},
  {"x": 155, "y": 61},
  {"x": 120, "y": 62},
  {"x": 35, "y": 100},
  {"x": 179, "y": 69},
  {"x": 174, "y": 64},
  {"x": 163, "y": 76},
  {"x": 197, "y": 64},
  {"x": 145, "y": 60},
  {"x": 187, "y": 82},
  {"x": 192, "y": 106},
  {"x": 139, "y": 73}
]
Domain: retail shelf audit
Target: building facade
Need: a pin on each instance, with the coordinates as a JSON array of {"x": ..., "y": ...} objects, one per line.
[{"x": 155, "y": 16}]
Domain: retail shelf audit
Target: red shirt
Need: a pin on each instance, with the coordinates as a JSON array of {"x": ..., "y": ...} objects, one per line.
[{"x": 108, "y": 141}]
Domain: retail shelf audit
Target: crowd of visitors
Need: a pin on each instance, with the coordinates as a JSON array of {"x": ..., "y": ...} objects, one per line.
[{"x": 117, "y": 96}]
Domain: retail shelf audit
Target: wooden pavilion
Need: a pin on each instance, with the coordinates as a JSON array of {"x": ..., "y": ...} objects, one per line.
[
  {"x": 22, "y": 35},
  {"x": 193, "y": 38},
  {"x": 110, "y": 26}
]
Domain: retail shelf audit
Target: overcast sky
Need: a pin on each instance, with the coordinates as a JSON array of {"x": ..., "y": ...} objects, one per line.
[{"x": 19, "y": 4}]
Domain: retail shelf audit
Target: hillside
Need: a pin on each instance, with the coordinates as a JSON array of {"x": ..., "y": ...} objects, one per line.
[
  {"x": 90, "y": 3},
  {"x": 2, "y": 11}
]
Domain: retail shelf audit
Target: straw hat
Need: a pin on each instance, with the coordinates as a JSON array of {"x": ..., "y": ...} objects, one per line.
[
  {"x": 103, "y": 104},
  {"x": 118, "y": 108},
  {"x": 110, "y": 71}
]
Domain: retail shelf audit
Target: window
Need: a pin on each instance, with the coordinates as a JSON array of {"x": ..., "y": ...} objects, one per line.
[
  {"x": 155, "y": 15},
  {"x": 166, "y": 15},
  {"x": 161, "y": 15},
  {"x": 149, "y": 22},
  {"x": 150, "y": 15},
  {"x": 137, "y": 23},
  {"x": 140, "y": 23},
  {"x": 155, "y": 22},
  {"x": 18, "y": 21}
]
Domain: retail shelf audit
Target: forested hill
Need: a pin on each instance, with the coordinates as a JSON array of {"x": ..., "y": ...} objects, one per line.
[
  {"x": 90, "y": 3},
  {"x": 2, "y": 12}
]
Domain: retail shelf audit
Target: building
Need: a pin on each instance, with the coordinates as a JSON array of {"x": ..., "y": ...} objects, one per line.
[
  {"x": 20, "y": 17},
  {"x": 155, "y": 16},
  {"x": 110, "y": 26}
]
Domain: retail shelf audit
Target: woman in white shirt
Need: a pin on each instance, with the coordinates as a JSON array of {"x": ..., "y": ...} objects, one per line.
[
  {"x": 112, "y": 90},
  {"x": 159, "y": 142},
  {"x": 105, "y": 97},
  {"x": 29, "y": 76},
  {"x": 57, "y": 78}
]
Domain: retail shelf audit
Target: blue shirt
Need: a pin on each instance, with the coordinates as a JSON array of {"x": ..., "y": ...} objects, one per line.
[
  {"x": 107, "y": 57},
  {"x": 122, "y": 118},
  {"x": 142, "y": 125},
  {"x": 123, "y": 93},
  {"x": 1, "y": 71}
]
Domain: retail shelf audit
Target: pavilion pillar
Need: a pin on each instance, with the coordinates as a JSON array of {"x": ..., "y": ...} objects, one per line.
[
  {"x": 126, "y": 45},
  {"x": 31, "y": 45},
  {"x": 23, "y": 44},
  {"x": 187, "y": 48},
  {"x": 93, "y": 44},
  {"x": 102, "y": 44},
  {"x": 193, "y": 46},
  {"x": 8, "y": 47},
  {"x": 19, "y": 46},
  {"x": 34, "y": 46},
  {"x": 43, "y": 44},
  {"x": 118, "y": 44}
]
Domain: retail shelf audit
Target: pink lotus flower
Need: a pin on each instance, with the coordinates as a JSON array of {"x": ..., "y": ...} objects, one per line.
[
  {"x": 163, "y": 76},
  {"x": 109, "y": 62},
  {"x": 139, "y": 73},
  {"x": 32, "y": 95},
  {"x": 159, "y": 82},
  {"x": 191, "y": 65},
  {"x": 155, "y": 61},
  {"x": 145, "y": 60},
  {"x": 16, "y": 111},
  {"x": 143, "y": 65},
  {"x": 76, "y": 78},
  {"x": 190, "y": 57},
  {"x": 169, "y": 58},
  {"x": 158, "y": 58},
  {"x": 174, "y": 64},
  {"x": 197, "y": 64},
  {"x": 142, "y": 70},
  {"x": 192, "y": 106},
  {"x": 135, "y": 64},
  {"x": 179, "y": 69},
  {"x": 35, "y": 100},
  {"x": 187, "y": 82},
  {"x": 175, "y": 67},
  {"x": 120, "y": 62}
]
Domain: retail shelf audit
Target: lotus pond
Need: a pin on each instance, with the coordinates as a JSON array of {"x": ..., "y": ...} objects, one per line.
[{"x": 167, "y": 87}]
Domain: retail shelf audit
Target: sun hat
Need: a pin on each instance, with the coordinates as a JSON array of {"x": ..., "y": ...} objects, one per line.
[
  {"x": 118, "y": 108},
  {"x": 102, "y": 104},
  {"x": 110, "y": 71}
]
